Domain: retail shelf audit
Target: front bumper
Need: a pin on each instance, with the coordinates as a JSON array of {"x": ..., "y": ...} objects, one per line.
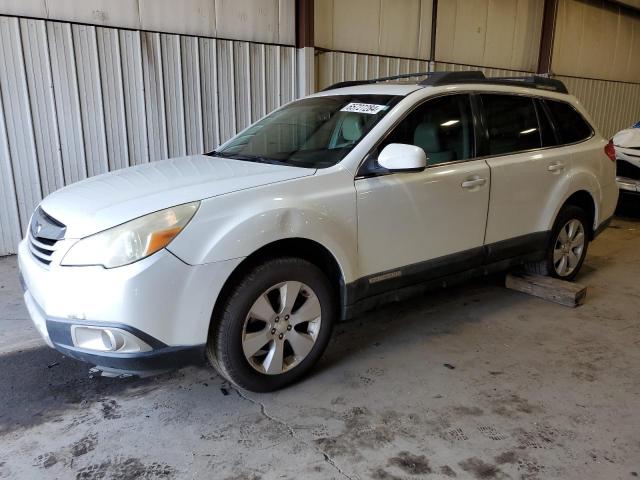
[{"x": 159, "y": 302}]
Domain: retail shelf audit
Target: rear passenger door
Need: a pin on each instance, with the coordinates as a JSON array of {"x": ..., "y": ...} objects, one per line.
[{"x": 523, "y": 173}]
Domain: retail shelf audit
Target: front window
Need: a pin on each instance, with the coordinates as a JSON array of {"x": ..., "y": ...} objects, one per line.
[{"x": 314, "y": 132}]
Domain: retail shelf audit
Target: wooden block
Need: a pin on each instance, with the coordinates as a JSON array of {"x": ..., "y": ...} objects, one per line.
[{"x": 548, "y": 288}]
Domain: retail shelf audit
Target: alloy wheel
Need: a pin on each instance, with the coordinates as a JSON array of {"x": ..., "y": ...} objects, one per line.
[
  {"x": 281, "y": 327},
  {"x": 569, "y": 248}
]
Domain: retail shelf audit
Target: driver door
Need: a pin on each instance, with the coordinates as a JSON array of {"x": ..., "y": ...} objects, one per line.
[{"x": 414, "y": 227}]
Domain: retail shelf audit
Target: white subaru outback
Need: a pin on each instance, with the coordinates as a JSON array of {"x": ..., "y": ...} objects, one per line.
[{"x": 364, "y": 193}]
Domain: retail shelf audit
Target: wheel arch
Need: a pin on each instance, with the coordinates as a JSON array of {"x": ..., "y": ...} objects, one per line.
[
  {"x": 303, "y": 248},
  {"x": 584, "y": 200}
]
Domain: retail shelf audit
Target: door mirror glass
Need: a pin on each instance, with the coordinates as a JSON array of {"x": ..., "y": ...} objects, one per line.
[{"x": 400, "y": 157}]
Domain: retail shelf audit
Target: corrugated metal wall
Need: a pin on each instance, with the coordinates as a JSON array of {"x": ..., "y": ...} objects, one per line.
[
  {"x": 78, "y": 100},
  {"x": 332, "y": 67},
  {"x": 613, "y": 105}
]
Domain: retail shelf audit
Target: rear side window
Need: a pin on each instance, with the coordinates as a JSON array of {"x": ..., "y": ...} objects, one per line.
[
  {"x": 570, "y": 125},
  {"x": 511, "y": 122}
]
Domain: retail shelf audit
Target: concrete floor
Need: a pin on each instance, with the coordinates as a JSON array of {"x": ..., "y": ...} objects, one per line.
[{"x": 472, "y": 382}]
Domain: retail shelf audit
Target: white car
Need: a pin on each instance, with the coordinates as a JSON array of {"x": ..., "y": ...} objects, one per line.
[
  {"x": 362, "y": 194},
  {"x": 627, "y": 146}
]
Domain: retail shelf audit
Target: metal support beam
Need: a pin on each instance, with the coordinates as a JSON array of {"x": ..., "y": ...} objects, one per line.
[
  {"x": 305, "y": 41},
  {"x": 434, "y": 27},
  {"x": 546, "y": 38},
  {"x": 304, "y": 23}
]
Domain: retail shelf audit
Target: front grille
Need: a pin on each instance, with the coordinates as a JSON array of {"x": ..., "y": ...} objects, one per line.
[
  {"x": 40, "y": 250},
  {"x": 44, "y": 234}
]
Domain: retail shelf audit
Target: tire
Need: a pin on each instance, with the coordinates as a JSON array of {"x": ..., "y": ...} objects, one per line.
[
  {"x": 254, "y": 311},
  {"x": 569, "y": 217}
]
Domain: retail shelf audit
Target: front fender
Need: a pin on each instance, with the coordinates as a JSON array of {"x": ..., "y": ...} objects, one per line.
[{"x": 319, "y": 208}]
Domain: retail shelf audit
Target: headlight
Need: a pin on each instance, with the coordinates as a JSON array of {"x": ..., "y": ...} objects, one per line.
[{"x": 131, "y": 241}]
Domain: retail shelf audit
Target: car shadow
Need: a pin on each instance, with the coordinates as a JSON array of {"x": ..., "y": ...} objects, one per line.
[
  {"x": 441, "y": 311},
  {"x": 40, "y": 384}
]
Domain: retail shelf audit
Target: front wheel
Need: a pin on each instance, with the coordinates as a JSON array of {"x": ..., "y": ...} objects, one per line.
[
  {"x": 568, "y": 246},
  {"x": 274, "y": 325}
]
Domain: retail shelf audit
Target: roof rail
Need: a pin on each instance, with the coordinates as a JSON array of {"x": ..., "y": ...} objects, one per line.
[
  {"x": 353, "y": 83},
  {"x": 436, "y": 79},
  {"x": 534, "y": 81}
]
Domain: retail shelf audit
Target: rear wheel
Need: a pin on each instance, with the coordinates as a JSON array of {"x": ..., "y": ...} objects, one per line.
[
  {"x": 274, "y": 325},
  {"x": 568, "y": 246}
]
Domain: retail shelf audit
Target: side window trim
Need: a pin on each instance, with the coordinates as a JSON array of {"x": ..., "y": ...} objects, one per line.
[
  {"x": 364, "y": 169},
  {"x": 542, "y": 109},
  {"x": 481, "y": 130}
]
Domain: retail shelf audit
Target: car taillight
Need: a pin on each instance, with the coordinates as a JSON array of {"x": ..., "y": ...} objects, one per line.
[{"x": 610, "y": 150}]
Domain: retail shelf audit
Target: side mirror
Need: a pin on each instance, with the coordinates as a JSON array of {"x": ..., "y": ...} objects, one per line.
[{"x": 400, "y": 157}]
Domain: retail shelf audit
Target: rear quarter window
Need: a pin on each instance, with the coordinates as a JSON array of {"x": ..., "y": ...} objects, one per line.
[{"x": 570, "y": 125}]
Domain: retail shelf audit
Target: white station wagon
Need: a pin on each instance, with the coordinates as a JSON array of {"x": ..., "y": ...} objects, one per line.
[{"x": 365, "y": 193}]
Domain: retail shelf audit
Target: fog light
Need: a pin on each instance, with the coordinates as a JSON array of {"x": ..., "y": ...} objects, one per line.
[
  {"x": 106, "y": 339},
  {"x": 112, "y": 341}
]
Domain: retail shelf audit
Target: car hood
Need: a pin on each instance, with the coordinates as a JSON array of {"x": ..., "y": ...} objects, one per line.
[{"x": 107, "y": 200}]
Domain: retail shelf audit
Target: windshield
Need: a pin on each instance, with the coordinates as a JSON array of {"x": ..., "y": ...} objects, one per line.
[{"x": 314, "y": 132}]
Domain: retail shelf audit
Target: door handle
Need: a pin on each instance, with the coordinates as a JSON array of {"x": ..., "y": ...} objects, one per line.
[
  {"x": 556, "y": 167},
  {"x": 473, "y": 182}
]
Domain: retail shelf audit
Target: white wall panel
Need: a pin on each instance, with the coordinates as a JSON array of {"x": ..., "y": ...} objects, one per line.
[
  {"x": 209, "y": 88},
  {"x": 154, "y": 96},
  {"x": 10, "y": 231},
  {"x": 79, "y": 100},
  {"x": 251, "y": 20},
  {"x": 597, "y": 40},
  {"x": 270, "y": 21},
  {"x": 192, "y": 98},
  {"x": 110, "y": 65},
  {"x": 90, "y": 94},
  {"x": 43, "y": 110},
  {"x": 272, "y": 74},
  {"x": 193, "y": 17},
  {"x": 242, "y": 77},
  {"x": 27, "y": 8},
  {"x": 174, "y": 100},
  {"x": 121, "y": 13},
  {"x": 259, "y": 81},
  {"x": 399, "y": 28},
  {"x": 133, "y": 88},
  {"x": 18, "y": 120},
  {"x": 496, "y": 33},
  {"x": 226, "y": 87},
  {"x": 65, "y": 86}
]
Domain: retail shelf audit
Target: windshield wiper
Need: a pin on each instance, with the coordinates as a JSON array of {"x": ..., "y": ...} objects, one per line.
[{"x": 248, "y": 158}]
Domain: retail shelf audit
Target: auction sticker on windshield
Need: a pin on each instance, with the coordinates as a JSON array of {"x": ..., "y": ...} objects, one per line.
[{"x": 369, "y": 108}]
